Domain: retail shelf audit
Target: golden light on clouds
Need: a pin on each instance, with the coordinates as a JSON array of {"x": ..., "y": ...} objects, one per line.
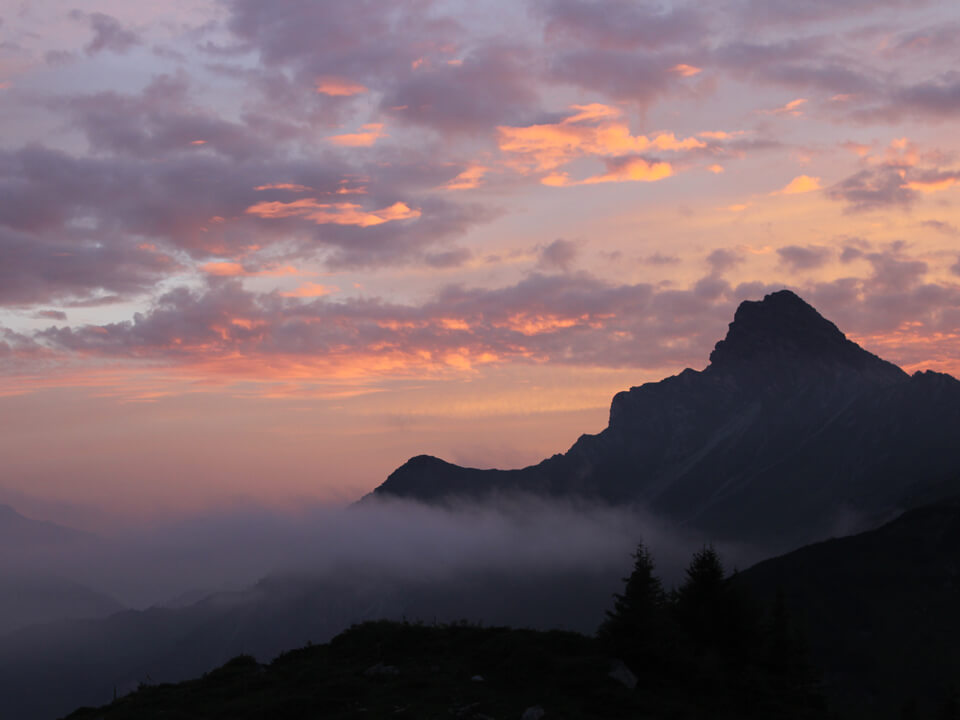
[
  {"x": 368, "y": 135},
  {"x": 323, "y": 213},
  {"x": 800, "y": 184},
  {"x": 470, "y": 178},
  {"x": 310, "y": 290},
  {"x": 339, "y": 87},
  {"x": 686, "y": 70}
]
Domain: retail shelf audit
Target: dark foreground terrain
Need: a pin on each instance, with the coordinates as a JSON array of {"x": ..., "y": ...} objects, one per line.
[{"x": 385, "y": 669}]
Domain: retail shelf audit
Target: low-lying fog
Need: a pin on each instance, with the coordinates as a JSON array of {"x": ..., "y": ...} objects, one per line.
[{"x": 391, "y": 539}]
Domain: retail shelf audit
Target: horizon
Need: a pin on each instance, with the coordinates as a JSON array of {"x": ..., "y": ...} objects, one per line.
[{"x": 244, "y": 266}]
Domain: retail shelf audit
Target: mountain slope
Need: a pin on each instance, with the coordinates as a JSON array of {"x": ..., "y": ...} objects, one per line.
[
  {"x": 791, "y": 433},
  {"x": 879, "y": 610}
]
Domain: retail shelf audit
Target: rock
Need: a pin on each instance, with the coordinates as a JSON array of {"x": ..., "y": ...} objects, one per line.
[
  {"x": 380, "y": 670},
  {"x": 534, "y": 712},
  {"x": 622, "y": 674}
]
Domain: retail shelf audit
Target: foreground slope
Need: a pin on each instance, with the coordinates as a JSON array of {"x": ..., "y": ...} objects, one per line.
[
  {"x": 790, "y": 434},
  {"x": 396, "y": 670},
  {"x": 880, "y": 611}
]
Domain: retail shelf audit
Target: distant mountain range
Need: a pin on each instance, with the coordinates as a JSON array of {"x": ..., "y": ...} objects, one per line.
[
  {"x": 19, "y": 534},
  {"x": 791, "y": 434},
  {"x": 29, "y": 594}
]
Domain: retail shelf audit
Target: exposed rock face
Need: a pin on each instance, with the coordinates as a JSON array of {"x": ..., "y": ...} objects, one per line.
[{"x": 790, "y": 434}]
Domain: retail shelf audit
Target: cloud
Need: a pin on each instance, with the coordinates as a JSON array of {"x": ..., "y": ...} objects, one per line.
[
  {"x": 896, "y": 183},
  {"x": 108, "y": 33},
  {"x": 594, "y": 130},
  {"x": 567, "y": 318},
  {"x": 620, "y": 24},
  {"x": 491, "y": 86},
  {"x": 310, "y": 290},
  {"x": 50, "y": 315},
  {"x": 367, "y": 136},
  {"x": 339, "y": 87},
  {"x": 558, "y": 255},
  {"x": 468, "y": 179},
  {"x": 941, "y": 227},
  {"x": 800, "y": 184},
  {"x": 341, "y": 213},
  {"x": 791, "y": 108},
  {"x": 804, "y": 257},
  {"x": 723, "y": 259}
]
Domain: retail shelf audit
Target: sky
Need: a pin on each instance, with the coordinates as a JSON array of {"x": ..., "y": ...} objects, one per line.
[{"x": 262, "y": 253}]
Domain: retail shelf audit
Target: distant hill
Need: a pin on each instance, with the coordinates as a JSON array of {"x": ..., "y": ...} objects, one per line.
[
  {"x": 881, "y": 611},
  {"x": 48, "y": 670},
  {"x": 791, "y": 434},
  {"x": 29, "y": 598},
  {"x": 19, "y": 533}
]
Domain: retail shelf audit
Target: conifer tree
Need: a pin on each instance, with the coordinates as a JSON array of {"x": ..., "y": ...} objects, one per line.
[
  {"x": 700, "y": 601},
  {"x": 637, "y": 617}
]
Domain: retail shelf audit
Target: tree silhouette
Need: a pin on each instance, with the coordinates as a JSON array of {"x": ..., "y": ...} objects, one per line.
[
  {"x": 700, "y": 601},
  {"x": 638, "y": 616}
]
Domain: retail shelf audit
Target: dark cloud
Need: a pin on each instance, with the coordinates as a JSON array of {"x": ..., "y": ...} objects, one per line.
[
  {"x": 955, "y": 268},
  {"x": 571, "y": 318},
  {"x": 448, "y": 258},
  {"x": 941, "y": 227},
  {"x": 723, "y": 259},
  {"x": 50, "y": 315},
  {"x": 625, "y": 75},
  {"x": 86, "y": 226},
  {"x": 773, "y": 13},
  {"x": 875, "y": 188},
  {"x": 621, "y": 24},
  {"x": 491, "y": 86},
  {"x": 558, "y": 255},
  {"x": 806, "y": 63},
  {"x": 108, "y": 33},
  {"x": 162, "y": 120},
  {"x": 44, "y": 266},
  {"x": 659, "y": 258},
  {"x": 804, "y": 257}
]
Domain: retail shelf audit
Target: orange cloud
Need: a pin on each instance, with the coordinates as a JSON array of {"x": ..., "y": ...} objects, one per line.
[
  {"x": 293, "y": 187},
  {"x": 4, "y": 85},
  {"x": 310, "y": 290},
  {"x": 800, "y": 184},
  {"x": 594, "y": 130},
  {"x": 370, "y": 133},
  {"x": 931, "y": 186},
  {"x": 686, "y": 70},
  {"x": 791, "y": 108},
  {"x": 333, "y": 213},
  {"x": 339, "y": 87},
  {"x": 468, "y": 179},
  {"x": 198, "y": 142},
  {"x": 858, "y": 149},
  {"x": 716, "y": 169},
  {"x": 235, "y": 269},
  {"x": 634, "y": 169}
]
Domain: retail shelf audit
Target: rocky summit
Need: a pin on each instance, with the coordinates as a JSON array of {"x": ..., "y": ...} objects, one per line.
[{"x": 791, "y": 434}]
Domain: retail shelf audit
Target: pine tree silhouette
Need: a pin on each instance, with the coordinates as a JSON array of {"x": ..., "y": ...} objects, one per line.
[{"x": 637, "y": 621}]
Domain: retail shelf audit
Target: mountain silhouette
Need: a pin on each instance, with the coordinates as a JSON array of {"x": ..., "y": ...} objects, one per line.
[
  {"x": 879, "y": 611},
  {"x": 792, "y": 433},
  {"x": 19, "y": 533}
]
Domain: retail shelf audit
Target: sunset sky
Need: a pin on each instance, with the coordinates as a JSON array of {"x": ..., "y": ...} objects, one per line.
[{"x": 263, "y": 253}]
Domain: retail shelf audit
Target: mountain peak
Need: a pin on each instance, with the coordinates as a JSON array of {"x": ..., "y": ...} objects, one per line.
[{"x": 782, "y": 329}]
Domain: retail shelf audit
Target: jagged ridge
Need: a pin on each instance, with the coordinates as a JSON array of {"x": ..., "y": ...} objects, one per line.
[{"x": 791, "y": 433}]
